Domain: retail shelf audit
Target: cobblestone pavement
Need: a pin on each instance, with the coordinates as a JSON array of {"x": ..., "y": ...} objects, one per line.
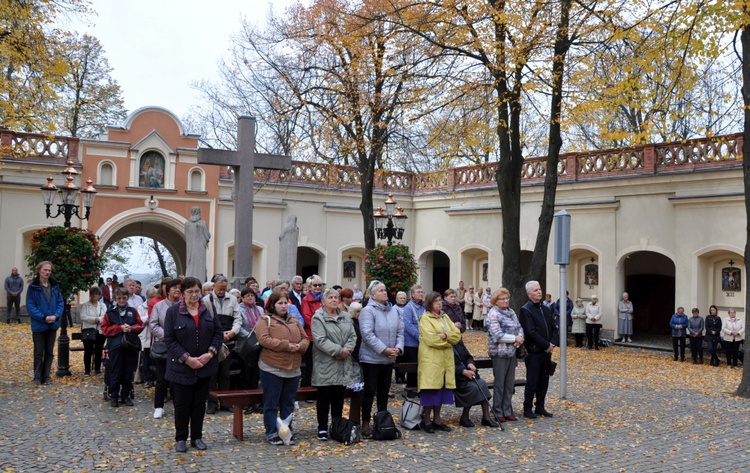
[{"x": 626, "y": 411}]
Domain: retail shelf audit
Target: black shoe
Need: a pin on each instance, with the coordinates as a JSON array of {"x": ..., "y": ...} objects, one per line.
[
  {"x": 127, "y": 401},
  {"x": 429, "y": 428},
  {"x": 442, "y": 427},
  {"x": 543, "y": 412},
  {"x": 181, "y": 446},
  {"x": 529, "y": 413},
  {"x": 490, "y": 423},
  {"x": 199, "y": 444},
  {"x": 465, "y": 423},
  {"x": 211, "y": 410},
  {"x": 113, "y": 402}
]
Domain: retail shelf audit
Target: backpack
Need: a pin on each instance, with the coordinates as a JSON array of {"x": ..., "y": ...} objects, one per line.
[
  {"x": 344, "y": 431},
  {"x": 384, "y": 427}
]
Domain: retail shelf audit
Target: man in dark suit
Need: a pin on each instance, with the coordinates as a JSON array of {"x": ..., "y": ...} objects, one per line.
[
  {"x": 542, "y": 336},
  {"x": 295, "y": 292}
]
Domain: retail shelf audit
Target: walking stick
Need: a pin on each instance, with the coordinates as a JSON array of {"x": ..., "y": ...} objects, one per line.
[{"x": 489, "y": 405}]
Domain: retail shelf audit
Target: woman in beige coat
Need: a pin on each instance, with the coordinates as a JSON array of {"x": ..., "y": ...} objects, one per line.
[{"x": 436, "y": 366}]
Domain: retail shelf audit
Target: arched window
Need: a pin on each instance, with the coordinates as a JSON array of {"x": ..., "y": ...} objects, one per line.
[
  {"x": 196, "y": 180},
  {"x": 106, "y": 175},
  {"x": 151, "y": 170}
]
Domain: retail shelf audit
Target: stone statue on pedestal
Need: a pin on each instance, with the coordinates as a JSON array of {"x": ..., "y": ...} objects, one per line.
[
  {"x": 288, "y": 249},
  {"x": 196, "y": 237}
]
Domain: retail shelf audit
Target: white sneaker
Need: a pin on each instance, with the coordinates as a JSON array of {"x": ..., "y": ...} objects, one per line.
[{"x": 158, "y": 413}]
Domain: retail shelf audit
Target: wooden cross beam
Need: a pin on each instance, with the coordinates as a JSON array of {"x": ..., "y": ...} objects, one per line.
[{"x": 243, "y": 162}]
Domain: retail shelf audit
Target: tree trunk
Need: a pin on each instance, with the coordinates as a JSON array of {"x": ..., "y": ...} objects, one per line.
[
  {"x": 160, "y": 257},
  {"x": 743, "y": 390},
  {"x": 367, "y": 184}
]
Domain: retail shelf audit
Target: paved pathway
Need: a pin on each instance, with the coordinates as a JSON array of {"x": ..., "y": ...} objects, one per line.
[{"x": 627, "y": 411}]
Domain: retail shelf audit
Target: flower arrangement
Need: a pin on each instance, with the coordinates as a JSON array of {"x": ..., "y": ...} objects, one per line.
[
  {"x": 394, "y": 266},
  {"x": 74, "y": 253}
]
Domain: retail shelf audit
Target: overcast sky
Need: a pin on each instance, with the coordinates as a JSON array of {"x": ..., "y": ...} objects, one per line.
[{"x": 157, "y": 48}]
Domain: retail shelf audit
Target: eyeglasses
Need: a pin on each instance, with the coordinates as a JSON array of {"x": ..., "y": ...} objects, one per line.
[
  {"x": 196, "y": 292},
  {"x": 503, "y": 298},
  {"x": 316, "y": 285}
]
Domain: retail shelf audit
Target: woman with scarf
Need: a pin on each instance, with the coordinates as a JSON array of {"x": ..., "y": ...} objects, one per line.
[
  {"x": 733, "y": 334},
  {"x": 121, "y": 319},
  {"x": 309, "y": 305},
  {"x": 382, "y": 331},
  {"x": 250, "y": 313},
  {"x": 436, "y": 367}
]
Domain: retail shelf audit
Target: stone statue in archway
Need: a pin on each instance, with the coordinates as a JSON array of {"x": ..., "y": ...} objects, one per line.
[
  {"x": 288, "y": 249},
  {"x": 196, "y": 237}
]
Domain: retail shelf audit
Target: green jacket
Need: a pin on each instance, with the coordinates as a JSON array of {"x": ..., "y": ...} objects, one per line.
[
  {"x": 330, "y": 337},
  {"x": 436, "y": 368}
]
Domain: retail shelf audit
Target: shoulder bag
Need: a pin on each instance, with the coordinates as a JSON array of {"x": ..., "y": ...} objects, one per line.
[
  {"x": 344, "y": 431},
  {"x": 158, "y": 350},
  {"x": 131, "y": 341}
]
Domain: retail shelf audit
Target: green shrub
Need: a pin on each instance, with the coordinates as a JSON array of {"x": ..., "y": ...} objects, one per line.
[{"x": 73, "y": 252}]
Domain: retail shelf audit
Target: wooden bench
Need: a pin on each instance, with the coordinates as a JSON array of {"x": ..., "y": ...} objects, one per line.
[
  {"x": 239, "y": 398},
  {"x": 484, "y": 363}
]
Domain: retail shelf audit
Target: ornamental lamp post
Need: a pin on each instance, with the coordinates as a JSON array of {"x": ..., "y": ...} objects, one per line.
[
  {"x": 390, "y": 224},
  {"x": 68, "y": 196},
  {"x": 67, "y": 208}
]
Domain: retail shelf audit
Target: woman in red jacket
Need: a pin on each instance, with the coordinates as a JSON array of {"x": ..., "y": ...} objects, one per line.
[{"x": 308, "y": 306}]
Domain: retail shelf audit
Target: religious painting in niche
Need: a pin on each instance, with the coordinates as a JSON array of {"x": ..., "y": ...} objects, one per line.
[
  {"x": 592, "y": 275},
  {"x": 350, "y": 269},
  {"x": 731, "y": 279},
  {"x": 152, "y": 170},
  {"x": 485, "y": 268}
]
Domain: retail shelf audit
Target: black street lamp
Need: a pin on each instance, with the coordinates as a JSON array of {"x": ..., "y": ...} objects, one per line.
[
  {"x": 68, "y": 196},
  {"x": 67, "y": 208},
  {"x": 390, "y": 224}
]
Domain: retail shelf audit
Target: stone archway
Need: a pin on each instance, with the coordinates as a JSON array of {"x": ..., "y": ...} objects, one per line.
[
  {"x": 435, "y": 271},
  {"x": 150, "y": 226},
  {"x": 474, "y": 268},
  {"x": 309, "y": 262},
  {"x": 721, "y": 280},
  {"x": 650, "y": 283}
]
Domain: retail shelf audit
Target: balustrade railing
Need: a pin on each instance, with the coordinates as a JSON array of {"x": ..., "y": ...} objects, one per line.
[{"x": 684, "y": 156}]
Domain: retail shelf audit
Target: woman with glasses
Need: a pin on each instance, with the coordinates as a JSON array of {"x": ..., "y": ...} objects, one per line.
[
  {"x": 504, "y": 337},
  {"x": 193, "y": 337},
  {"x": 310, "y": 304}
]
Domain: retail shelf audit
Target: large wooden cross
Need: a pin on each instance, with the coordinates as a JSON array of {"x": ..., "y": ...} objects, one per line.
[{"x": 243, "y": 162}]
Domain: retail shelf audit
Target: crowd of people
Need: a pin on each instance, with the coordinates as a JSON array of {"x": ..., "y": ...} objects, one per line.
[{"x": 333, "y": 339}]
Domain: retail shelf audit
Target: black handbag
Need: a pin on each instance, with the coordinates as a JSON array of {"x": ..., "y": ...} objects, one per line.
[
  {"x": 249, "y": 352},
  {"x": 131, "y": 341},
  {"x": 344, "y": 431},
  {"x": 88, "y": 334},
  {"x": 158, "y": 350}
]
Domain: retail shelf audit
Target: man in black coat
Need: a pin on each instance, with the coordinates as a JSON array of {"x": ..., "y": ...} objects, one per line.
[{"x": 542, "y": 336}]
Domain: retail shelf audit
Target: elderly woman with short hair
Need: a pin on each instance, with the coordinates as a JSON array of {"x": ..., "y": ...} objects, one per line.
[
  {"x": 382, "y": 332},
  {"x": 504, "y": 336},
  {"x": 334, "y": 340}
]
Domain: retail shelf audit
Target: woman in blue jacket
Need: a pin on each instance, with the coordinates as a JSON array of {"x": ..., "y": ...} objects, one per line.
[
  {"x": 45, "y": 306},
  {"x": 679, "y": 324},
  {"x": 193, "y": 338}
]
